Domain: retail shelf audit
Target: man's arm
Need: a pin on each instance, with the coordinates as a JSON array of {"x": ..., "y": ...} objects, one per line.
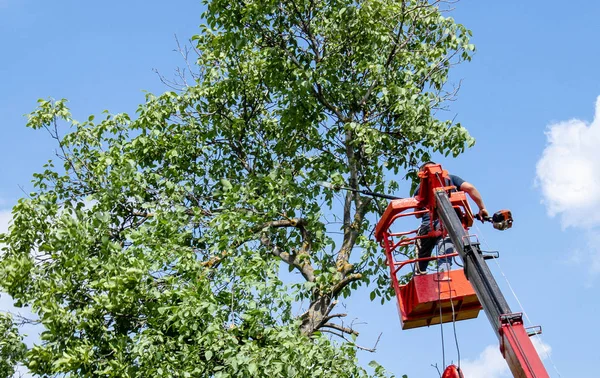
[{"x": 476, "y": 197}]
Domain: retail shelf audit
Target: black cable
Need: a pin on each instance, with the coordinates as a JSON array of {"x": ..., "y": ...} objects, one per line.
[
  {"x": 451, "y": 301},
  {"x": 437, "y": 247},
  {"x": 451, "y": 304},
  {"x": 456, "y": 262},
  {"x": 454, "y": 325}
]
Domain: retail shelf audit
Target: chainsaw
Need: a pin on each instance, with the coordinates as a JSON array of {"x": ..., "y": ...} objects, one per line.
[{"x": 501, "y": 220}]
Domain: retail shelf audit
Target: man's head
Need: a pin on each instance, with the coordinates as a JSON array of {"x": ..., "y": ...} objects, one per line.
[{"x": 422, "y": 167}]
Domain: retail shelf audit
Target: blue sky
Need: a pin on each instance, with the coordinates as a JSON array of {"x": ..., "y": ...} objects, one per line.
[{"x": 528, "y": 97}]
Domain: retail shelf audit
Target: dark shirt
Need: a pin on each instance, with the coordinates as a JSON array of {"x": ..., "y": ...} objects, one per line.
[{"x": 454, "y": 181}]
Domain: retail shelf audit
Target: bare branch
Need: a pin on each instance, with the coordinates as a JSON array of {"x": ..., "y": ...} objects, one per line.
[
  {"x": 329, "y": 317},
  {"x": 340, "y": 328},
  {"x": 341, "y": 335},
  {"x": 370, "y": 349}
]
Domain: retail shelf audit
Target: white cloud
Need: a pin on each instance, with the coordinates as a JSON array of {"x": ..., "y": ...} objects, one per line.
[
  {"x": 544, "y": 350},
  {"x": 491, "y": 364},
  {"x": 568, "y": 172}
]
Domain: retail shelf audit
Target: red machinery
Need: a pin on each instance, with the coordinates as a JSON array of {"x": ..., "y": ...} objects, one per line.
[
  {"x": 458, "y": 294},
  {"x": 452, "y": 371}
]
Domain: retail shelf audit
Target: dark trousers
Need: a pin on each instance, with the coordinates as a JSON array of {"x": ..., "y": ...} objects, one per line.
[{"x": 424, "y": 247}]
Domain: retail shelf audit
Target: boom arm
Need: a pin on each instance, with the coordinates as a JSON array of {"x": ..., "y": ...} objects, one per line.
[{"x": 515, "y": 345}]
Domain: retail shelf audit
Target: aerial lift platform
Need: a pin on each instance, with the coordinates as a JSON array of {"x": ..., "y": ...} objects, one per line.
[{"x": 457, "y": 294}]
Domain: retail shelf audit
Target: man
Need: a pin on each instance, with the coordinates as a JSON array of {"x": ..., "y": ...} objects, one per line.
[{"x": 424, "y": 246}]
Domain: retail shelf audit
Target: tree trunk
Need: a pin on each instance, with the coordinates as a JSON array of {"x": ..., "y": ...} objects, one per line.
[{"x": 316, "y": 315}]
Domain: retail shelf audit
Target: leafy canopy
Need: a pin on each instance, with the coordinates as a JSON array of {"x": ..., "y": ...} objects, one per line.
[
  {"x": 12, "y": 349},
  {"x": 156, "y": 247}
]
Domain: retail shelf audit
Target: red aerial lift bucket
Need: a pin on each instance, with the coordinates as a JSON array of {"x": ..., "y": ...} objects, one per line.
[
  {"x": 431, "y": 298},
  {"x": 421, "y": 301}
]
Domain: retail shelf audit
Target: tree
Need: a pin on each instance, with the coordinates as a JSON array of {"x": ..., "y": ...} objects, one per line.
[
  {"x": 156, "y": 248},
  {"x": 12, "y": 349}
]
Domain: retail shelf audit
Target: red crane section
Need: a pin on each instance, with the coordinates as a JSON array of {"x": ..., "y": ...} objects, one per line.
[
  {"x": 458, "y": 294},
  {"x": 436, "y": 298}
]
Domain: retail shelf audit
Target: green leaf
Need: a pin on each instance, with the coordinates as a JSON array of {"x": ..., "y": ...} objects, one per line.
[
  {"x": 226, "y": 184},
  {"x": 252, "y": 368}
]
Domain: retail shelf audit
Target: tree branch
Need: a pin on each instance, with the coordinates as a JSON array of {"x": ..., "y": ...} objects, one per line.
[
  {"x": 304, "y": 267},
  {"x": 316, "y": 88},
  {"x": 344, "y": 282},
  {"x": 351, "y": 233},
  {"x": 329, "y": 317},
  {"x": 390, "y": 57},
  {"x": 340, "y": 328}
]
